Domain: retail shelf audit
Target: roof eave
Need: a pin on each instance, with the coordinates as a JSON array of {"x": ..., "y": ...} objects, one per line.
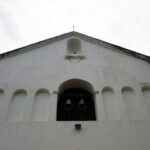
[{"x": 66, "y": 35}]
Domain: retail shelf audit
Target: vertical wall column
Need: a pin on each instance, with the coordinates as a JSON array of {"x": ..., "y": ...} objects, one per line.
[
  {"x": 53, "y": 110},
  {"x": 122, "y": 114},
  {"x": 41, "y": 105},
  {"x": 131, "y": 102},
  {"x": 109, "y": 103},
  {"x": 5, "y": 104},
  {"x": 1, "y": 101},
  {"x": 17, "y": 105},
  {"x": 13, "y": 107},
  {"x": 146, "y": 96},
  {"x": 143, "y": 105},
  {"x": 99, "y": 106},
  {"x": 28, "y": 108},
  {"x": 139, "y": 104}
]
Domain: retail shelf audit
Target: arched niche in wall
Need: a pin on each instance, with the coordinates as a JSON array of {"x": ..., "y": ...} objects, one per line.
[
  {"x": 146, "y": 95},
  {"x": 17, "y": 105},
  {"x": 74, "y": 46},
  {"x": 40, "y": 109},
  {"x": 109, "y": 103},
  {"x": 1, "y": 96},
  {"x": 75, "y": 50},
  {"x": 130, "y": 102},
  {"x": 76, "y": 101}
]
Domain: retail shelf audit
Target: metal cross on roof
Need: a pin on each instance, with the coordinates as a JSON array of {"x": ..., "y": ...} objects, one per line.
[{"x": 74, "y": 27}]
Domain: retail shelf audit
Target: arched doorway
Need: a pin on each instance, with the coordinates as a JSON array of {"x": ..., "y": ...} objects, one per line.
[{"x": 76, "y": 101}]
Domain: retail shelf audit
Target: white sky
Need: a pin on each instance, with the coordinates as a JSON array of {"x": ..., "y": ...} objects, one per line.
[{"x": 122, "y": 22}]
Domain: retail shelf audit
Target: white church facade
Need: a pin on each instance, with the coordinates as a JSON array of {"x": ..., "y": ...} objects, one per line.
[{"x": 74, "y": 92}]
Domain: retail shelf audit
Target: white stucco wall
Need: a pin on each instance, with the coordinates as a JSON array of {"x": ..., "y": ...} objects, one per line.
[{"x": 125, "y": 127}]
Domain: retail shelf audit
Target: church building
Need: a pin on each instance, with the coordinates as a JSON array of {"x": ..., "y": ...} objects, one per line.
[{"x": 74, "y": 92}]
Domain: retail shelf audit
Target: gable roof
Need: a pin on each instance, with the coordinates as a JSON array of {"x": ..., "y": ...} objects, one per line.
[{"x": 80, "y": 35}]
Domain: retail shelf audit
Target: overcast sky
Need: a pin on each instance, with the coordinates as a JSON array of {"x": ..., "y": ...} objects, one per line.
[{"x": 122, "y": 22}]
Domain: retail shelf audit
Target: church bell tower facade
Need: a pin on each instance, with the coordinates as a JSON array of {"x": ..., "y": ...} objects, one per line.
[{"x": 74, "y": 92}]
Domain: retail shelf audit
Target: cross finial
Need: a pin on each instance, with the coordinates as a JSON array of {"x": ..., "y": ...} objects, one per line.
[{"x": 73, "y": 27}]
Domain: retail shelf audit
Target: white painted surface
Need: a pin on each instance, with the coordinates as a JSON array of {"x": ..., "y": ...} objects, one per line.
[
  {"x": 146, "y": 94},
  {"x": 40, "y": 110},
  {"x": 131, "y": 103},
  {"x": 109, "y": 104},
  {"x": 1, "y": 97},
  {"x": 17, "y": 105},
  {"x": 47, "y": 68}
]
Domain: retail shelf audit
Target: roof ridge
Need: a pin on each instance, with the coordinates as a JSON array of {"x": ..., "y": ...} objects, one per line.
[{"x": 74, "y": 33}]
